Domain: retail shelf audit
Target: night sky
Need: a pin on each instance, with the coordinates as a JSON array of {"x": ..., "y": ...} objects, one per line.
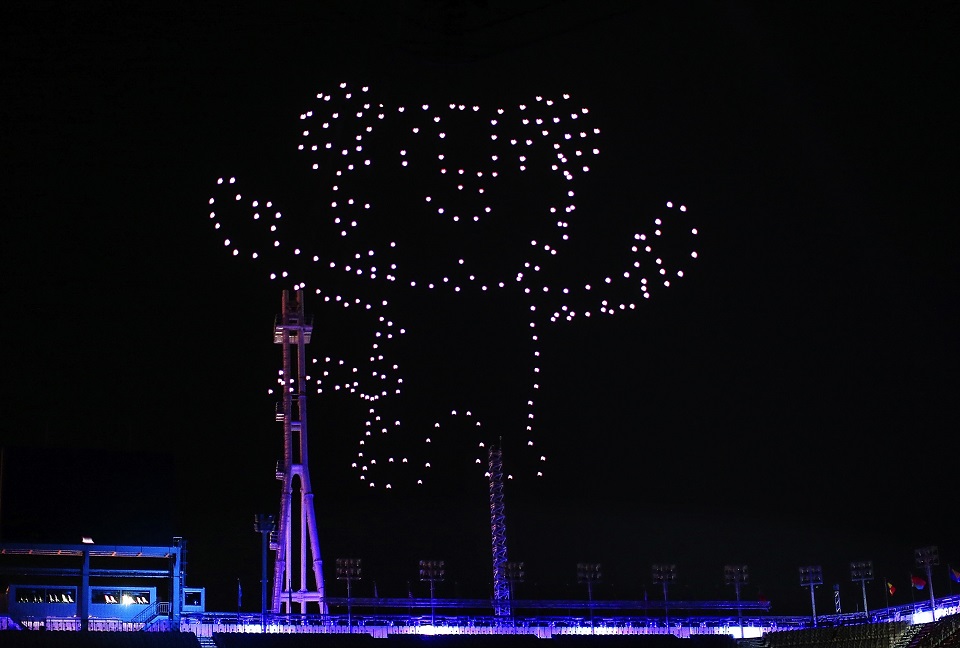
[{"x": 789, "y": 401}]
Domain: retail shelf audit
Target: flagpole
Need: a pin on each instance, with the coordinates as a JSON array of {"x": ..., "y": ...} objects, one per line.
[{"x": 926, "y": 558}]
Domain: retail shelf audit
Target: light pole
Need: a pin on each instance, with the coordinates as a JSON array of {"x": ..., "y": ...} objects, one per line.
[
  {"x": 863, "y": 572},
  {"x": 588, "y": 574},
  {"x": 665, "y": 574},
  {"x": 515, "y": 574},
  {"x": 264, "y": 525},
  {"x": 349, "y": 569},
  {"x": 811, "y": 576},
  {"x": 737, "y": 575},
  {"x": 431, "y": 571},
  {"x": 926, "y": 558}
]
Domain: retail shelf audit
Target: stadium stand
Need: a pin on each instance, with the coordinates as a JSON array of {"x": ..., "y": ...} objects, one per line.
[{"x": 45, "y": 639}]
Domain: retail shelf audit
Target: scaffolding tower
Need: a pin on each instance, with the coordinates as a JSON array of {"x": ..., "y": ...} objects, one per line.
[{"x": 298, "y": 521}]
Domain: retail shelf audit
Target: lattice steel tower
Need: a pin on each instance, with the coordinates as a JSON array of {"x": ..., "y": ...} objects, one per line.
[
  {"x": 298, "y": 521},
  {"x": 498, "y": 533}
]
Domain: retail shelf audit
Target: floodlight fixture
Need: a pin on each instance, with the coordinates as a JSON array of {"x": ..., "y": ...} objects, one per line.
[
  {"x": 515, "y": 574},
  {"x": 811, "y": 576},
  {"x": 264, "y": 525},
  {"x": 432, "y": 571},
  {"x": 588, "y": 574},
  {"x": 349, "y": 569},
  {"x": 737, "y": 575},
  {"x": 665, "y": 575},
  {"x": 863, "y": 572}
]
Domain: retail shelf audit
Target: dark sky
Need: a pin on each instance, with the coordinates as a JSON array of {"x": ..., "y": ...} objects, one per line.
[{"x": 790, "y": 401}]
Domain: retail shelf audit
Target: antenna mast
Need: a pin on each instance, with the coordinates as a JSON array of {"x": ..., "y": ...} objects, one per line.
[{"x": 292, "y": 329}]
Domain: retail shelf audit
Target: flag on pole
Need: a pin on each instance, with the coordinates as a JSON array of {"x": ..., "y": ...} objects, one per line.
[
  {"x": 890, "y": 588},
  {"x": 954, "y": 574},
  {"x": 918, "y": 582}
]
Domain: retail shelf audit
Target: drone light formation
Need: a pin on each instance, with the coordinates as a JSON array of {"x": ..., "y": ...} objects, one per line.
[{"x": 402, "y": 202}]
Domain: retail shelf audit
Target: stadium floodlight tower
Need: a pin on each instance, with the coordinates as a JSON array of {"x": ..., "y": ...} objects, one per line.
[
  {"x": 349, "y": 569},
  {"x": 265, "y": 525},
  {"x": 863, "y": 572},
  {"x": 292, "y": 329},
  {"x": 515, "y": 574},
  {"x": 926, "y": 558},
  {"x": 738, "y": 576},
  {"x": 811, "y": 576},
  {"x": 588, "y": 574},
  {"x": 432, "y": 571},
  {"x": 665, "y": 575}
]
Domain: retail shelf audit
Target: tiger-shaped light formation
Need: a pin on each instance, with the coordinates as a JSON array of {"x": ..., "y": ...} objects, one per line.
[{"x": 460, "y": 218}]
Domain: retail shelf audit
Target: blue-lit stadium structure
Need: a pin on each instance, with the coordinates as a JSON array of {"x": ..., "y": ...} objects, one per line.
[
  {"x": 127, "y": 595},
  {"x": 101, "y": 589}
]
